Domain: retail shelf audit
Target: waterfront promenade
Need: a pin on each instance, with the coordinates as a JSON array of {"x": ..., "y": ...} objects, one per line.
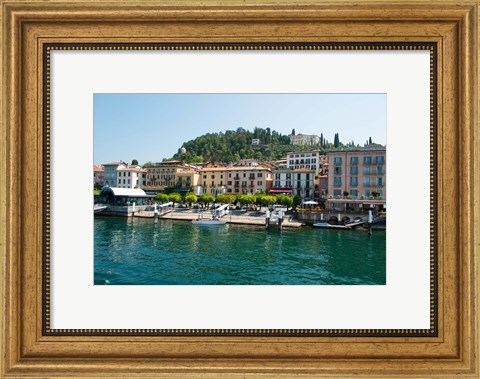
[{"x": 234, "y": 216}]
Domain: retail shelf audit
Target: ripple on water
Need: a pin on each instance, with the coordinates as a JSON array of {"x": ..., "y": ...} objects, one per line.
[{"x": 174, "y": 252}]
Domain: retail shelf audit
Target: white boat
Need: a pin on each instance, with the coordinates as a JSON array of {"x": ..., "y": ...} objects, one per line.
[
  {"x": 97, "y": 208},
  {"x": 326, "y": 225},
  {"x": 208, "y": 222}
]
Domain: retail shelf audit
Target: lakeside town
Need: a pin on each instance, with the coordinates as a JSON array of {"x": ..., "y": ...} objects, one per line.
[{"x": 339, "y": 187}]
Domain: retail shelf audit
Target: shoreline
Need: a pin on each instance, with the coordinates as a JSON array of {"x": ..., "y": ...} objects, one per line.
[{"x": 235, "y": 217}]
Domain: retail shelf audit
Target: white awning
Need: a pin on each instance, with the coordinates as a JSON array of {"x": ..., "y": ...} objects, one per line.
[{"x": 127, "y": 192}]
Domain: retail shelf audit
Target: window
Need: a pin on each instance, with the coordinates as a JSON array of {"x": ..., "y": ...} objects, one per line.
[
  {"x": 366, "y": 181},
  {"x": 307, "y": 177},
  {"x": 244, "y": 175},
  {"x": 337, "y": 181},
  {"x": 337, "y": 170},
  {"x": 380, "y": 181},
  {"x": 353, "y": 160},
  {"x": 379, "y": 159},
  {"x": 337, "y": 160},
  {"x": 367, "y": 193},
  {"x": 337, "y": 192},
  {"x": 354, "y": 192},
  {"x": 367, "y": 170},
  {"x": 354, "y": 181},
  {"x": 367, "y": 160},
  {"x": 379, "y": 169},
  {"x": 259, "y": 183},
  {"x": 213, "y": 176},
  {"x": 354, "y": 170},
  {"x": 259, "y": 175},
  {"x": 229, "y": 182}
]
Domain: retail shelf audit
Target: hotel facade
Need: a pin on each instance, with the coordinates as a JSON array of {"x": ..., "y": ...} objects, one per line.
[
  {"x": 236, "y": 180},
  {"x": 310, "y": 160},
  {"x": 299, "y": 182},
  {"x": 358, "y": 174}
]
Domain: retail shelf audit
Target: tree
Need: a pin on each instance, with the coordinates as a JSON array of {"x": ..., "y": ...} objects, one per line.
[
  {"x": 174, "y": 197},
  {"x": 370, "y": 140},
  {"x": 346, "y": 193},
  {"x": 336, "y": 141},
  {"x": 268, "y": 200},
  {"x": 246, "y": 199},
  {"x": 206, "y": 198},
  {"x": 190, "y": 198},
  {"x": 297, "y": 200},
  {"x": 285, "y": 200},
  {"x": 134, "y": 162},
  {"x": 226, "y": 198},
  {"x": 293, "y": 132},
  {"x": 162, "y": 197}
]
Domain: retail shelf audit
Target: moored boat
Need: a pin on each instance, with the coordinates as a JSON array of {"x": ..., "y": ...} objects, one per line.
[
  {"x": 208, "y": 222},
  {"x": 97, "y": 208}
]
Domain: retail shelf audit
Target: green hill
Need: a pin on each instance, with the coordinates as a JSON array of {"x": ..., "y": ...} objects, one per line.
[{"x": 233, "y": 145}]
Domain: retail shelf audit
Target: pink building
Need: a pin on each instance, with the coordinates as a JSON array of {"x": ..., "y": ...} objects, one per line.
[{"x": 357, "y": 175}]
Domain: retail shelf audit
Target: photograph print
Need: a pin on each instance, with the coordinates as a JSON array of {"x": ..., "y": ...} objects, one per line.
[{"x": 240, "y": 189}]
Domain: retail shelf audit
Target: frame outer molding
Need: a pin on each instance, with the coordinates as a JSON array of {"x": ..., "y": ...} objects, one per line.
[{"x": 25, "y": 352}]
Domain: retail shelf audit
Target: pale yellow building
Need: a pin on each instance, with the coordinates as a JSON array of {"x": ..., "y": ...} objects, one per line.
[{"x": 236, "y": 180}]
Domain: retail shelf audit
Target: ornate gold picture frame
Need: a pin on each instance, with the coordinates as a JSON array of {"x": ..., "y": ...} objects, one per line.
[{"x": 34, "y": 28}]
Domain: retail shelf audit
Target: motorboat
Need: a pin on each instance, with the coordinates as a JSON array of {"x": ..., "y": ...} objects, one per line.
[
  {"x": 97, "y": 208},
  {"x": 208, "y": 222},
  {"x": 326, "y": 225}
]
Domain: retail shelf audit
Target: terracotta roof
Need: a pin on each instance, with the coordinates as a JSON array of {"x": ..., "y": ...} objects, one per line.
[
  {"x": 132, "y": 168},
  {"x": 114, "y": 164},
  {"x": 98, "y": 168}
]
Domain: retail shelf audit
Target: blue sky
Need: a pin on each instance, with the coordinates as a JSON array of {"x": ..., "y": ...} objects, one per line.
[{"x": 150, "y": 127}]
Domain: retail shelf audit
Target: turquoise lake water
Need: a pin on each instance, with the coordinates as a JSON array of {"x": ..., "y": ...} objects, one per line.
[{"x": 175, "y": 252}]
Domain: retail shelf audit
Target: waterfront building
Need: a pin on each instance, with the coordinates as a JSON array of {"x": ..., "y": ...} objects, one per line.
[
  {"x": 236, "y": 179},
  {"x": 357, "y": 175},
  {"x": 131, "y": 176},
  {"x": 255, "y": 141},
  {"x": 162, "y": 175},
  {"x": 98, "y": 176},
  {"x": 289, "y": 181},
  {"x": 312, "y": 160},
  {"x": 188, "y": 180},
  {"x": 213, "y": 180},
  {"x": 304, "y": 139},
  {"x": 321, "y": 186},
  {"x": 110, "y": 172},
  {"x": 248, "y": 180}
]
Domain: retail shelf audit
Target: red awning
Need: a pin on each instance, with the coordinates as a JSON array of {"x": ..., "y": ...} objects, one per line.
[{"x": 281, "y": 191}]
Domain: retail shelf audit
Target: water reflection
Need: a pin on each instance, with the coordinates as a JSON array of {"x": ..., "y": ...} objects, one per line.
[{"x": 174, "y": 252}]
